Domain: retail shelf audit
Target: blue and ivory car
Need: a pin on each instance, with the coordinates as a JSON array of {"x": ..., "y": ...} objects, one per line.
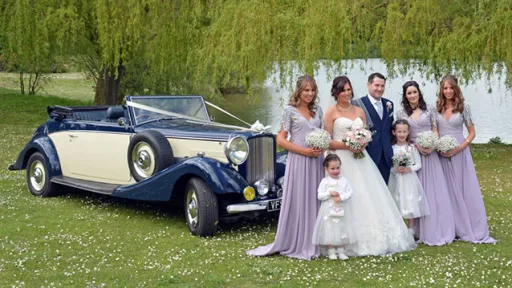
[{"x": 157, "y": 148}]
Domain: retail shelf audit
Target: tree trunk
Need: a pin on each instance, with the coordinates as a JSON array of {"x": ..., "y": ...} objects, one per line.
[
  {"x": 33, "y": 83},
  {"x": 107, "y": 87},
  {"x": 22, "y": 85}
]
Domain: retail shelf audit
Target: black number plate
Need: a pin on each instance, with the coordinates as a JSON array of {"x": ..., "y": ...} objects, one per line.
[{"x": 274, "y": 205}]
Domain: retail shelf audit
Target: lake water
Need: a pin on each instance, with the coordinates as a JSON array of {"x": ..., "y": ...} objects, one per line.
[{"x": 491, "y": 108}]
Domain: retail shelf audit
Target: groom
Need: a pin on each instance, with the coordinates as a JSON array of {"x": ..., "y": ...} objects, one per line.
[{"x": 379, "y": 116}]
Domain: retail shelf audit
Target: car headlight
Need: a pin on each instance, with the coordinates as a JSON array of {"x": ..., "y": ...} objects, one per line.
[
  {"x": 249, "y": 193},
  {"x": 262, "y": 186},
  {"x": 280, "y": 181},
  {"x": 237, "y": 150}
]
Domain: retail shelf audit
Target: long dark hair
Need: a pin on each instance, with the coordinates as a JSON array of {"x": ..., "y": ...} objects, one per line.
[
  {"x": 331, "y": 158},
  {"x": 458, "y": 101},
  {"x": 299, "y": 87},
  {"x": 405, "y": 103},
  {"x": 401, "y": 122},
  {"x": 338, "y": 85}
]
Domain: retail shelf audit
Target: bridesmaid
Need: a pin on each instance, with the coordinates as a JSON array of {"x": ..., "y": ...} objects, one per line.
[
  {"x": 438, "y": 228},
  {"x": 303, "y": 174},
  {"x": 466, "y": 197}
]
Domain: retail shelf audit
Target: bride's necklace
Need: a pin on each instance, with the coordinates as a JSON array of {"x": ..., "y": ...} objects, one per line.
[{"x": 341, "y": 109}]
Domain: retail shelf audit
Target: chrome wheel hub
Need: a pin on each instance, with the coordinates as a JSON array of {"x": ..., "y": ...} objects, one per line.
[
  {"x": 37, "y": 175},
  {"x": 191, "y": 203},
  {"x": 143, "y": 159}
]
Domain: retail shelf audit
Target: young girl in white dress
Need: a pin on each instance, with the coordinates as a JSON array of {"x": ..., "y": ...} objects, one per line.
[
  {"x": 332, "y": 228},
  {"x": 404, "y": 185}
]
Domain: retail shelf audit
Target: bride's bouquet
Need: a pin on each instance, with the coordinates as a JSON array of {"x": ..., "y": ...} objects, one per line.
[
  {"x": 446, "y": 144},
  {"x": 427, "y": 139},
  {"x": 356, "y": 138},
  {"x": 402, "y": 159},
  {"x": 318, "y": 138}
]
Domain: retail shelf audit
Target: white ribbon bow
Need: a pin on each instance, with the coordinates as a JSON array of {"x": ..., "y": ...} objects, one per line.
[{"x": 257, "y": 126}]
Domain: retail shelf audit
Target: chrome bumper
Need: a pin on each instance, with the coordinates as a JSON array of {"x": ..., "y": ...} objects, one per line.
[{"x": 247, "y": 207}]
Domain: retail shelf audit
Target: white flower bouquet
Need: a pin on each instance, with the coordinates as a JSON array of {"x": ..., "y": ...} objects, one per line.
[
  {"x": 402, "y": 159},
  {"x": 356, "y": 138},
  {"x": 319, "y": 138},
  {"x": 446, "y": 144},
  {"x": 427, "y": 139}
]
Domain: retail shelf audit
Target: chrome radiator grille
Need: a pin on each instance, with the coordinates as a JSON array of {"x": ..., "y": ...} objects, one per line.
[{"x": 260, "y": 163}]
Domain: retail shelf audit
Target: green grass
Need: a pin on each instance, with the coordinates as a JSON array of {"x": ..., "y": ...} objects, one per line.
[
  {"x": 67, "y": 85},
  {"x": 85, "y": 240}
]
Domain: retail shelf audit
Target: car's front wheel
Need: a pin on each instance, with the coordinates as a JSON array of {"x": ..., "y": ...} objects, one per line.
[
  {"x": 201, "y": 208},
  {"x": 38, "y": 179}
]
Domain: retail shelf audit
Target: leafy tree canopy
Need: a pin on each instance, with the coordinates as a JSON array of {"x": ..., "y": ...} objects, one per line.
[{"x": 156, "y": 47}]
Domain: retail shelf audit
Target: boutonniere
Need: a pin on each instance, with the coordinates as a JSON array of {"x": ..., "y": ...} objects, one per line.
[
  {"x": 295, "y": 118},
  {"x": 389, "y": 105}
]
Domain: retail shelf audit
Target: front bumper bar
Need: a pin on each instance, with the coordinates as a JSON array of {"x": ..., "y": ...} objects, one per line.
[{"x": 247, "y": 207}]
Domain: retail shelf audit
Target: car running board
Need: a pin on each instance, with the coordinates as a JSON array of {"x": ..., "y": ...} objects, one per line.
[{"x": 91, "y": 186}]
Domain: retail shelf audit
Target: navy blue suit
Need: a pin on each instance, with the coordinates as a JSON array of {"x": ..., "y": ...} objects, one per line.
[{"x": 380, "y": 147}]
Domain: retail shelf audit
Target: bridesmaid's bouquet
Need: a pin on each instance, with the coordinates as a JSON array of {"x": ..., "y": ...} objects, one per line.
[
  {"x": 356, "y": 138},
  {"x": 446, "y": 144},
  {"x": 427, "y": 139},
  {"x": 402, "y": 159},
  {"x": 318, "y": 138}
]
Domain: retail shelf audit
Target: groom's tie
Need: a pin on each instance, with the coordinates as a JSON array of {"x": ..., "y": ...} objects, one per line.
[{"x": 379, "y": 108}]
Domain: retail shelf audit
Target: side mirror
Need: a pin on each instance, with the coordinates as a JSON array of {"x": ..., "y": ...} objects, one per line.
[
  {"x": 121, "y": 121},
  {"x": 212, "y": 118}
]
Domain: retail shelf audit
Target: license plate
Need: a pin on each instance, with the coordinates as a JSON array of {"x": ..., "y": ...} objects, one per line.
[{"x": 274, "y": 205}]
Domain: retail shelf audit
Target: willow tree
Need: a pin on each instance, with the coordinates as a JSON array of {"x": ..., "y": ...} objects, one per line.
[
  {"x": 188, "y": 46},
  {"x": 435, "y": 36},
  {"x": 26, "y": 43}
]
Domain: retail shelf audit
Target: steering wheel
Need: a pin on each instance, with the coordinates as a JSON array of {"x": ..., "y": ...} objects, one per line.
[{"x": 144, "y": 117}]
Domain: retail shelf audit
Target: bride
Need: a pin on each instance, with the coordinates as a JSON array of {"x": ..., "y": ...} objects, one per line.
[{"x": 377, "y": 223}]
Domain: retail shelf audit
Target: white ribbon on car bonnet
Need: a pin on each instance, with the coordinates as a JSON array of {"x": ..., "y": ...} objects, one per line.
[{"x": 257, "y": 126}]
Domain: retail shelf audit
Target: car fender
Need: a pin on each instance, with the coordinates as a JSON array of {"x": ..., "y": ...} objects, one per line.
[
  {"x": 281, "y": 159},
  {"x": 220, "y": 177},
  {"x": 44, "y": 145}
]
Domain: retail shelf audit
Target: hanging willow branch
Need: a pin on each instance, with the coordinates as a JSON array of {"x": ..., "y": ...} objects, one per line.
[{"x": 184, "y": 46}]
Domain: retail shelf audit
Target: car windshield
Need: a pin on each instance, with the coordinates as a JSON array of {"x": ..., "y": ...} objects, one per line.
[{"x": 152, "y": 108}]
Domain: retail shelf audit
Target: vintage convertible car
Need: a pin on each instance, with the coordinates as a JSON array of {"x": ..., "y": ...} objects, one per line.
[{"x": 157, "y": 148}]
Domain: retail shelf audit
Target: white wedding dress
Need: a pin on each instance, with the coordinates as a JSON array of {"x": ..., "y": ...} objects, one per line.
[{"x": 377, "y": 224}]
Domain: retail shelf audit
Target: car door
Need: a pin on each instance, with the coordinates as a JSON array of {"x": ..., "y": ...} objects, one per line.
[
  {"x": 95, "y": 152},
  {"x": 103, "y": 152}
]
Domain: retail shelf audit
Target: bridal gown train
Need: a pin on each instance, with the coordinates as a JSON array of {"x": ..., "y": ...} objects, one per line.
[{"x": 377, "y": 224}]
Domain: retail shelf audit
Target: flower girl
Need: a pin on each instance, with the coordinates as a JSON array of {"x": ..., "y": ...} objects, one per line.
[
  {"x": 332, "y": 228},
  {"x": 404, "y": 185}
]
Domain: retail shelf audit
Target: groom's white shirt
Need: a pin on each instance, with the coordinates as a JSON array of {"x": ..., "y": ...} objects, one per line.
[{"x": 375, "y": 101}]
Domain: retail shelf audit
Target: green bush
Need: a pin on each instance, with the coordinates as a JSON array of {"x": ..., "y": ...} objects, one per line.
[
  {"x": 4, "y": 65},
  {"x": 496, "y": 140}
]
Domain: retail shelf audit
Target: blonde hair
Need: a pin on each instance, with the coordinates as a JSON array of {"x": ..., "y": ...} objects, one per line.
[
  {"x": 301, "y": 84},
  {"x": 458, "y": 97}
]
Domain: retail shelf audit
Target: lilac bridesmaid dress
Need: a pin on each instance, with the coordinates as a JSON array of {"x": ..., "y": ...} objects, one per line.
[
  {"x": 438, "y": 228},
  {"x": 300, "y": 204},
  {"x": 466, "y": 197}
]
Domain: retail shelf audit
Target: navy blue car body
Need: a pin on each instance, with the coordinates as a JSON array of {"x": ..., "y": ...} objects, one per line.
[{"x": 162, "y": 148}]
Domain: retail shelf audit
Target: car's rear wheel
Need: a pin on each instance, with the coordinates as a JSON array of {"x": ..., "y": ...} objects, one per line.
[
  {"x": 201, "y": 209},
  {"x": 38, "y": 179},
  {"x": 148, "y": 153}
]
